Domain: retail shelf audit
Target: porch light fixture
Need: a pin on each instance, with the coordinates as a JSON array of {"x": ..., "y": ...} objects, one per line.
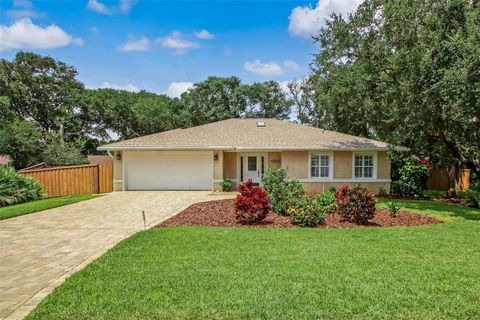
[
  {"x": 118, "y": 156},
  {"x": 215, "y": 157}
]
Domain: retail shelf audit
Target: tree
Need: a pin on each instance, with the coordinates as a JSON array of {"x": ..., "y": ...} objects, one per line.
[
  {"x": 267, "y": 100},
  {"x": 43, "y": 90},
  {"x": 212, "y": 100},
  {"x": 303, "y": 97},
  {"x": 22, "y": 142},
  {"x": 406, "y": 73},
  {"x": 62, "y": 153}
]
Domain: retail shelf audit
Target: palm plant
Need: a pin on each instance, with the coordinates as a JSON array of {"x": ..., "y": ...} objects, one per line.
[{"x": 15, "y": 188}]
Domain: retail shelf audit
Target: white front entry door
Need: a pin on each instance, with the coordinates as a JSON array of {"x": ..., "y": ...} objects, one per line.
[{"x": 253, "y": 167}]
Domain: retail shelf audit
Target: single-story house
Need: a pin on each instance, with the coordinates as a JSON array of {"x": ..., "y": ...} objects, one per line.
[{"x": 199, "y": 158}]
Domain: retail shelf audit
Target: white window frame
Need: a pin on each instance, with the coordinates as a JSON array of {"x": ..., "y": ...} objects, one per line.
[
  {"x": 330, "y": 166},
  {"x": 375, "y": 161}
]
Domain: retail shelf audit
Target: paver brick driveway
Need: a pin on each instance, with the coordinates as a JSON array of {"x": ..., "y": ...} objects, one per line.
[{"x": 39, "y": 250}]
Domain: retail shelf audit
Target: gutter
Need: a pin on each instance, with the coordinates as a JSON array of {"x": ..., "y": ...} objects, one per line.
[{"x": 232, "y": 148}]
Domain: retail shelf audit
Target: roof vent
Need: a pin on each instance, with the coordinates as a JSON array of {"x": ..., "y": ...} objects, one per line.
[{"x": 261, "y": 123}]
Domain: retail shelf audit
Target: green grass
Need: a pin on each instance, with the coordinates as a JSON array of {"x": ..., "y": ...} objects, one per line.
[
  {"x": 39, "y": 205},
  {"x": 425, "y": 272}
]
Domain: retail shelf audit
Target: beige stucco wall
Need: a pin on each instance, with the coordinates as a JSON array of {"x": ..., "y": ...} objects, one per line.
[
  {"x": 274, "y": 160},
  {"x": 296, "y": 164},
  {"x": 117, "y": 171},
  {"x": 218, "y": 166},
  {"x": 342, "y": 165},
  {"x": 230, "y": 165},
  {"x": 319, "y": 187},
  {"x": 384, "y": 165}
]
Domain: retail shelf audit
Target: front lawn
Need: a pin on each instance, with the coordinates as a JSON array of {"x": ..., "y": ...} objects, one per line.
[
  {"x": 39, "y": 205},
  {"x": 426, "y": 272}
]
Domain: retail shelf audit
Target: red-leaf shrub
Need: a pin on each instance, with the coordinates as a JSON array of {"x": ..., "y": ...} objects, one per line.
[
  {"x": 355, "y": 204},
  {"x": 252, "y": 205}
]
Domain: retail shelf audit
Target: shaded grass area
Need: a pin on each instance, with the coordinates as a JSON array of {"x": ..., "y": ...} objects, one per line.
[
  {"x": 425, "y": 272},
  {"x": 39, "y": 205}
]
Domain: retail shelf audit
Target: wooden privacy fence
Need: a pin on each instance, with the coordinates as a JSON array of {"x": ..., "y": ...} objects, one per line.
[
  {"x": 438, "y": 179},
  {"x": 67, "y": 181}
]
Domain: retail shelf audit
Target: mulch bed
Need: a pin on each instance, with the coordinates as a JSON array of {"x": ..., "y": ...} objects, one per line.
[{"x": 219, "y": 213}]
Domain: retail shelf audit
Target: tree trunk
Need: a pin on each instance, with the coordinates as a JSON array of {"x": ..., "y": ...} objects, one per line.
[{"x": 453, "y": 185}]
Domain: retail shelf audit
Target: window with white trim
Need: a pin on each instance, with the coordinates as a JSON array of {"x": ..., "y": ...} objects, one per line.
[
  {"x": 364, "y": 166},
  {"x": 319, "y": 166}
]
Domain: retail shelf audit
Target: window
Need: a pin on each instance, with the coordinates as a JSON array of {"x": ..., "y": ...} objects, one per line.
[
  {"x": 364, "y": 166},
  {"x": 252, "y": 164},
  {"x": 319, "y": 166}
]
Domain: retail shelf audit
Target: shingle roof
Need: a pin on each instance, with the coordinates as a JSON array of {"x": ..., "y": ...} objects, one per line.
[
  {"x": 99, "y": 159},
  {"x": 234, "y": 134}
]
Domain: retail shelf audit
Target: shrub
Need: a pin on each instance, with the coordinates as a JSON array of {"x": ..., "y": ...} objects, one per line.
[
  {"x": 382, "y": 191},
  {"x": 332, "y": 189},
  {"x": 226, "y": 185},
  {"x": 326, "y": 200},
  {"x": 473, "y": 198},
  {"x": 283, "y": 194},
  {"x": 252, "y": 205},
  {"x": 411, "y": 177},
  {"x": 355, "y": 204},
  {"x": 393, "y": 209},
  {"x": 15, "y": 188},
  {"x": 308, "y": 213}
]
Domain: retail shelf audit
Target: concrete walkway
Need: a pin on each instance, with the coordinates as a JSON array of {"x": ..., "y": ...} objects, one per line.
[{"x": 39, "y": 250}]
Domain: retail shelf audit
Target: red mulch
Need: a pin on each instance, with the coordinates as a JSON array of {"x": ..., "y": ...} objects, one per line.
[{"x": 219, "y": 213}]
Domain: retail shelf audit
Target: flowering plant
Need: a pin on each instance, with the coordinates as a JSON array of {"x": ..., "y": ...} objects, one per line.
[{"x": 252, "y": 204}]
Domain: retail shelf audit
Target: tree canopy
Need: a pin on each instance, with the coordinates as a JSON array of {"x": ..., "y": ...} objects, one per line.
[{"x": 406, "y": 73}]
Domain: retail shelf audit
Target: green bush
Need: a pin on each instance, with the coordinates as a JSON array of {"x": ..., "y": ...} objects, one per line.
[
  {"x": 226, "y": 185},
  {"x": 412, "y": 176},
  {"x": 355, "y": 204},
  {"x": 15, "y": 188},
  {"x": 308, "y": 213},
  {"x": 326, "y": 200},
  {"x": 282, "y": 193},
  {"x": 473, "y": 198},
  {"x": 382, "y": 191}
]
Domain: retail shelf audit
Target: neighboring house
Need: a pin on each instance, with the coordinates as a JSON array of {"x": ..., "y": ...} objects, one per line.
[
  {"x": 199, "y": 158},
  {"x": 99, "y": 159},
  {"x": 4, "y": 160}
]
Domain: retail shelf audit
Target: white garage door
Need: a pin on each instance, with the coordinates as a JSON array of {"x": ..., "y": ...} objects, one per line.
[{"x": 169, "y": 170}]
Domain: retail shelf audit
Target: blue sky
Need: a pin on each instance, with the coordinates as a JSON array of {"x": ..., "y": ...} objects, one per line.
[{"x": 164, "y": 46}]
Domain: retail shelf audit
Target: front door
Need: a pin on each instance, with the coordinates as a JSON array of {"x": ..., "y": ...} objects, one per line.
[{"x": 253, "y": 167}]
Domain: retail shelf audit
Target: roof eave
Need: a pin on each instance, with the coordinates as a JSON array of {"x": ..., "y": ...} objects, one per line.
[{"x": 241, "y": 148}]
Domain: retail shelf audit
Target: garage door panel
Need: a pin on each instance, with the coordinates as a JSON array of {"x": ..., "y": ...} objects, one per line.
[{"x": 156, "y": 171}]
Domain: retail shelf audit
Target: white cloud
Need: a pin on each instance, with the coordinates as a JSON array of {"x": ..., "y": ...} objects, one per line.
[
  {"x": 24, "y": 33},
  {"x": 124, "y": 6},
  {"x": 291, "y": 66},
  {"x": 175, "y": 89},
  {"x": 266, "y": 69},
  {"x": 143, "y": 44},
  {"x": 270, "y": 69},
  {"x": 204, "y": 34},
  {"x": 24, "y": 9},
  {"x": 98, "y": 7},
  {"x": 307, "y": 21},
  {"x": 127, "y": 87},
  {"x": 175, "y": 41}
]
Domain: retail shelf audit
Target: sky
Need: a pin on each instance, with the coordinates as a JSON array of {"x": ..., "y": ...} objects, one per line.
[{"x": 166, "y": 46}]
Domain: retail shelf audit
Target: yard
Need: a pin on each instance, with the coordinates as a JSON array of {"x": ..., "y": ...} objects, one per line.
[
  {"x": 43, "y": 204},
  {"x": 207, "y": 272}
]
